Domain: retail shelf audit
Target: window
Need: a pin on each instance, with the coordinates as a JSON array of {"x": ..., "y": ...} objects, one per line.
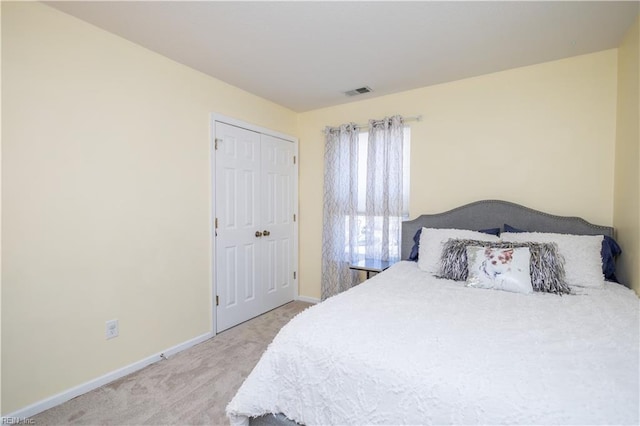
[{"x": 376, "y": 229}]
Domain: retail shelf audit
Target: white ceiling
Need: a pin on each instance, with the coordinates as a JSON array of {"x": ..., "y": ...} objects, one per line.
[{"x": 304, "y": 55}]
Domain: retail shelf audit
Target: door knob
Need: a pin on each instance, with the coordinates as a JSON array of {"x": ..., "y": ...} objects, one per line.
[
  {"x": 258, "y": 234},
  {"x": 266, "y": 233}
]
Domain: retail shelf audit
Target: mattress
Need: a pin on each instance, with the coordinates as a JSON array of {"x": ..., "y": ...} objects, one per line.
[{"x": 407, "y": 348}]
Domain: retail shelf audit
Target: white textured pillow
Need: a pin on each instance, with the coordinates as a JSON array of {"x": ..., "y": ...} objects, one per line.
[
  {"x": 432, "y": 241},
  {"x": 583, "y": 262},
  {"x": 499, "y": 268}
]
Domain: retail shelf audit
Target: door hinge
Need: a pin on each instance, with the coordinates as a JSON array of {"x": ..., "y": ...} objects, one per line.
[
  {"x": 216, "y": 223},
  {"x": 294, "y": 159},
  {"x": 294, "y": 217},
  {"x": 217, "y": 300},
  {"x": 294, "y": 275},
  {"x": 216, "y": 143}
]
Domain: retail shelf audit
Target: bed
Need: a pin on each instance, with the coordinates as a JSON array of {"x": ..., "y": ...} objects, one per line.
[{"x": 409, "y": 347}]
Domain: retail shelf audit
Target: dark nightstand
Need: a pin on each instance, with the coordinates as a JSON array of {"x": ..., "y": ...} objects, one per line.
[{"x": 371, "y": 265}]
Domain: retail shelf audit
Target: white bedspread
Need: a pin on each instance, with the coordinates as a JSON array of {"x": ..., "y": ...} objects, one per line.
[{"x": 407, "y": 348}]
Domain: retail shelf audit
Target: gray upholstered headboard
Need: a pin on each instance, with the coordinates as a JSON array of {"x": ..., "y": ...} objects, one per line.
[{"x": 494, "y": 214}]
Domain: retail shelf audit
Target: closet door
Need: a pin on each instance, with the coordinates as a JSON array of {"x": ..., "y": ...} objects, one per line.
[
  {"x": 237, "y": 249},
  {"x": 254, "y": 207},
  {"x": 277, "y": 218}
]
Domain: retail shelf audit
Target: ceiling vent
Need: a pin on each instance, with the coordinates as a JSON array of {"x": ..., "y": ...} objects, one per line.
[{"x": 360, "y": 91}]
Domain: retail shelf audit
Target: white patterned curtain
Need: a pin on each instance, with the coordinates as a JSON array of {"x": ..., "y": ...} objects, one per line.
[
  {"x": 340, "y": 217},
  {"x": 384, "y": 200},
  {"x": 370, "y": 229}
]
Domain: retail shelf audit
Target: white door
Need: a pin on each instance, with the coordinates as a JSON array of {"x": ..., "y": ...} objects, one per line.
[
  {"x": 277, "y": 219},
  {"x": 253, "y": 193}
]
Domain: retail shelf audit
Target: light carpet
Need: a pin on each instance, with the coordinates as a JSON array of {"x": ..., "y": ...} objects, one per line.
[{"x": 192, "y": 387}]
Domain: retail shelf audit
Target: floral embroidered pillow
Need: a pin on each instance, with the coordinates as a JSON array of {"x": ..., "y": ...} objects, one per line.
[{"x": 504, "y": 269}]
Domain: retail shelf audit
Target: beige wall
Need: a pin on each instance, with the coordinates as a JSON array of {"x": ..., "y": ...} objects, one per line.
[
  {"x": 0, "y": 212},
  {"x": 105, "y": 193},
  {"x": 541, "y": 135},
  {"x": 627, "y": 177}
]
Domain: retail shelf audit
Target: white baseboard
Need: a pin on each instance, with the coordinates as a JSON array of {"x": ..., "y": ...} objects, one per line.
[
  {"x": 308, "y": 299},
  {"x": 45, "y": 404}
]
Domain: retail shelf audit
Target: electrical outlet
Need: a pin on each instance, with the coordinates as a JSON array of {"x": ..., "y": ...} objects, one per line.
[{"x": 111, "y": 329}]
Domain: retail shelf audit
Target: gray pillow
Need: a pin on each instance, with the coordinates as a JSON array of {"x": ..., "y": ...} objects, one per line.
[{"x": 546, "y": 265}]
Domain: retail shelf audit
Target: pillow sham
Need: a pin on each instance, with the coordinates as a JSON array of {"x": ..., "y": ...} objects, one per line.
[
  {"x": 415, "y": 250},
  {"x": 583, "y": 264},
  {"x": 431, "y": 244},
  {"x": 509, "y": 228},
  {"x": 546, "y": 266},
  {"x": 499, "y": 268},
  {"x": 609, "y": 251}
]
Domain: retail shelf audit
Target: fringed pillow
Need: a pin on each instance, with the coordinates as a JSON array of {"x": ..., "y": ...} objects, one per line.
[{"x": 546, "y": 264}]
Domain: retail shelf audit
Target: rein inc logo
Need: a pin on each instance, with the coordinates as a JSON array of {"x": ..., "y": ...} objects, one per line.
[{"x": 17, "y": 421}]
